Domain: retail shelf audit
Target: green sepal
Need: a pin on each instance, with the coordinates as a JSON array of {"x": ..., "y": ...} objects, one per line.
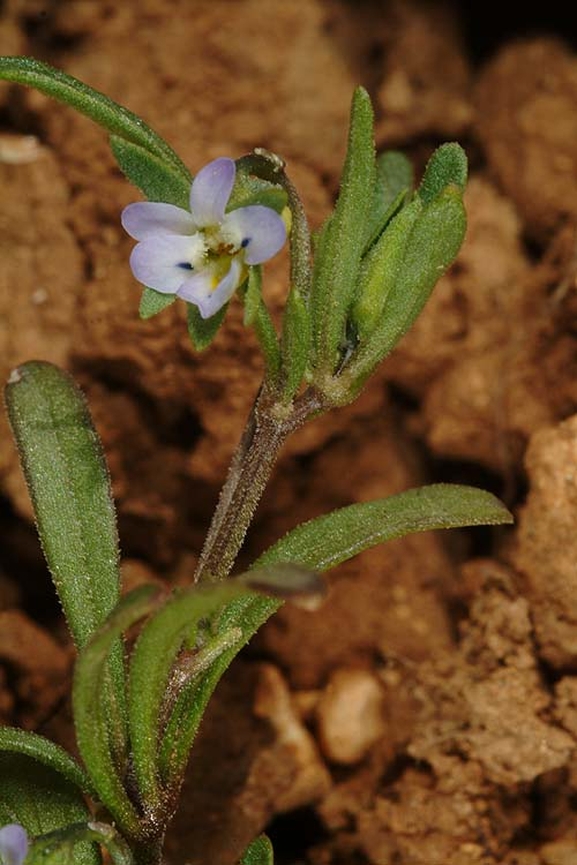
[
  {"x": 69, "y": 485},
  {"x": 109, "y": 114},
  {"x": 433, "y": 243},
  {"x": 447, "y": 166},
  {"x": 329, "y": 540},
  {"x": 393, "y": 183},
  {"x": 338, "y": 256},
  {"x": 256, "y": 314},
  {"x": 157, "y": 179},
  {"x": 260, "y": 852},
  {"x": 152, "y": 302},
  {"x": 28, "y": 744},
  {"x": 41, "y": 800},
  {"x": 381, "y": 269},
  {"x": 60, "y": 846},
  {"x": 92, "y": 712},
  {"x": 201, "y": 330},
  {"x": 295, "y": 342},
  {"x": 249, "y": 189}
]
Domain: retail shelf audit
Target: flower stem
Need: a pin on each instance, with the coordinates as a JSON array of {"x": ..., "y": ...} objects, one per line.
[{"x": 267, "y": 429}]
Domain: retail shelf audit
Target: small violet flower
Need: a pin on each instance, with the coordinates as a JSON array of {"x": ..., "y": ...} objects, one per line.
[
  {"x": 202, "y": 255},
  {"x": 13, "y": 844}
]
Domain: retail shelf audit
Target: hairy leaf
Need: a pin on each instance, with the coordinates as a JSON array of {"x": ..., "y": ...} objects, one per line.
[
  {"x": 104, "y": 111},
  {"x": 447, "y": 166},
  {"x": 394, "y": 180},
  {"x": 69, "y": 486},
  {"x": 91, "y": 712},
  {"x": 157, "y": 179},
  {"x": 41, "y": 800},
  {"x": 28, "y": 744},
  {"x": 338, "y": 256},
  {"x": 326, "y": 541}
]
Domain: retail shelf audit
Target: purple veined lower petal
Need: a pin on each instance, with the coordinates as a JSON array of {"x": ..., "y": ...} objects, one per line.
[
  {"x": 211, "y": 190},
  {"x": 13, "y": 844},
  {"x": 258, "y": 229},
  {"x": 199, "y": 289},
  {"x": 146, "y": 219},
  {"x": 166, "y": 261}
]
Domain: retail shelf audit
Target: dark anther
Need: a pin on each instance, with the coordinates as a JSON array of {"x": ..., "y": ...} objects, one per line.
[
  {"x": 245, "y": 242},
  {"x": 185, "y": 265}
]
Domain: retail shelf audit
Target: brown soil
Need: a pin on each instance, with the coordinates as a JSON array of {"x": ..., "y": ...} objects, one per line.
[{"x": 427, "y": 713}]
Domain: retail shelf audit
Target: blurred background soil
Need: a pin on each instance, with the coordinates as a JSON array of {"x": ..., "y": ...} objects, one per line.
[{"x": 427, "y": 713}]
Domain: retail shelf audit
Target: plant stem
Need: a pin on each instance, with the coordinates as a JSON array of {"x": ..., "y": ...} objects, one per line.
[
  {"x": 267, "y": 429},
  {"x": 148, "y": 852}
]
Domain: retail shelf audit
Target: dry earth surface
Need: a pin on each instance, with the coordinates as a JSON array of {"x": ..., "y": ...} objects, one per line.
[{"x": 427, "y": 713}]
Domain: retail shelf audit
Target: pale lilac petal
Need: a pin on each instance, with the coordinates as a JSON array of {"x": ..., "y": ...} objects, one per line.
[
  {"x": 211, "y": 190},
  {"x": 13, "y": 844},
  {"x": 258, "y": 229},
  {"x": 198, "y": 289},
  {"x": 166, "y": 261},
  {"x": 149, "y": 218}
]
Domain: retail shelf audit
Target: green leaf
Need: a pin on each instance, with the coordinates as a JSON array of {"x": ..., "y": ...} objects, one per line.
[
  {"x": 156, "y": 178},
  {"x": 329, "y": 540},
  {"x": 249, "y": 189},
  {"x": 381, "y": 269},
  {"x": 41, "y": 800},
  {"x": 434, "y": 241},
  {"x": 91, "y": 711},
  {"x": 338, "y": 256},
  {"x": 60, "y": 846},
  {"x": 28, "y": 744},
  {"x": 69, "y": 486},
  {"x": 163, "y": 637},
  {"x": 152, "y": 302},
  {"x": 104, "y": 111},
  {"x": 295, "y": 343},
  {"x": 394, "y": 180},
  {"x": 201, "y": 330},
  {"x": 257, "y": 315},
  {"x": 447, "y": 166},
  {"x": 260, "y": 852},
  {"x": 237, "y": 621},
  {"x": 179, "y": 657}
]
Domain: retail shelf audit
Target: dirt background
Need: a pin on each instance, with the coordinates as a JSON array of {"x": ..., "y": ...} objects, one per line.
[{"x": 427, "y": 714}]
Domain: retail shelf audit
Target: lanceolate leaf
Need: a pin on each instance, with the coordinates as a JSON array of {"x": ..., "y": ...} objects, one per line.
[
  {"x": 104, "y": 111},
  {"x": 28, "y": 744},
  {"x": 91, "y": 711},
  {"x": 69, "y": 485},
  {"x": 394, "y": 180},
  {"x": 433, "y": 242},
  {"x": 338, "y": 255},
  {"x": 41, "y": 800},
  {"x": 171, "y": 629},
  {"x": 296, "y": 343},
  {"x": 447, "y": 166},
  {"x": 326, "y": 541},
  {"x": 156, "y": 178}
]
